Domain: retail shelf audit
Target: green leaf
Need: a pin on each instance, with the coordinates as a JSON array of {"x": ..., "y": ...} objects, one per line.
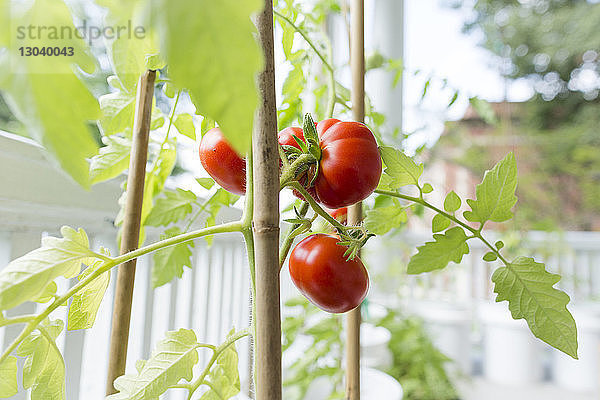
[
  {"x": 44, "y": 368},
  {"x": 401, "y": 168},
  {"x": 173, "y": 359},
  {"x": 8, "y": 377},
  {"x": 495, "y": 194},
  {"x": 452, "y": 202},
  {"x": 27, "y": 277},
  {"x": 453, "y": 99},
  {"x": 117, "y": 110},
  {"x": 490, "y": 256},
  {"x": 381, "y": 220},
  {"x": 484, "y": 110},
  {"x": 223, "y": 376},
  {"x": 131, "y": 55},
  {"x": 439, "y": 223},
  {"x": 155, "y": 61},
  {"x": 171, "y": 208},
  {"x": 221, "y": 85},
  {"x": 427, "y": 188},
  {"x": 166, "y": 161},
  {"x": 528, "y": 288},
  {"x": 170, "y": 90},
  {"x": 425, "y": 87},
  {"x": 112, "y": 159},
  {"x": 46, "y": 94},
  {"x": 446, "y": 247},
  {"x": 157, "y": 119},
  {"x": 206, "y": 125},
  {"x": 206, "y": 183},
  {"x": 185, "y": 125},
  {"x": 47, "y": 294},
  {"x": 86, "y": 302},
  {"x": 169, "y": 262},
  {"x": 499, "y": 244}
]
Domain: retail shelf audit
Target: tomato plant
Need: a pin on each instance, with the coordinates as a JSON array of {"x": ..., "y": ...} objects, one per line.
[
  {"x": 348, "y": 162},
  {"x": 322, "y": 273},
  {"x": 222, "y": 163}
]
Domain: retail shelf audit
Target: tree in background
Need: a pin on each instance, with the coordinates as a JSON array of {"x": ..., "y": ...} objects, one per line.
[{"x": 555, "y": 45}]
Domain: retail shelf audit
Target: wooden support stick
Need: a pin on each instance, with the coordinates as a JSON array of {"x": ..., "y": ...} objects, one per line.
[
  {"x": 357, "y": 64},
  {"x": 131, "y": 229},
  {"x": 266, "y": 221}
]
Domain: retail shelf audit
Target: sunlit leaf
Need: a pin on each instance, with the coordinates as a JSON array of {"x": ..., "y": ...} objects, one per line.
[
  {"x": 86, "y": 302},
  {"x": 8, "y": 377},
  {"x": 449, "y": 246},
  {"x": 495, "y": 194},
  {"x": 452, "y": 202},
  {"x": 528, "y": 288},
  {"x": 439, "y": 223},
  {"x": 44, "y": 368},
  {"x": 185, "y": 125},
  {"x": 27, "y": 277},
  {"x": 171, "y": 208},
  {"x": 216, "y": 57},
  {"x": 173, "y": 359},
  {"x": 381, "y": 220},
  {"x": 400, "y": 168},
  {"x": 112, "y": 159},
  {"x": 169, "y": 262}
]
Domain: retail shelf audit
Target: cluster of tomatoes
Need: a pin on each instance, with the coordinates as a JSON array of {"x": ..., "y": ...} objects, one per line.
[{"x": 348, "y": 171}]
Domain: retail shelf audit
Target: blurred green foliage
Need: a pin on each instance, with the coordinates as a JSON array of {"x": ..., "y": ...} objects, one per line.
[
  {"x": 417, "y": 364},
  {"x": 555, "y": 44}
]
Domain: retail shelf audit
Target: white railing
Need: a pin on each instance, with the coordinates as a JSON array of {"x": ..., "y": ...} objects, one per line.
[{"x": 573, "y": 255}]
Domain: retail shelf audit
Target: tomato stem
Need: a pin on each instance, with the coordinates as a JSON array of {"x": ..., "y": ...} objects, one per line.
[
  {"x": 476, "y": 232},
  {"x": 291, "y": 235},
  {"x": 289, "y": 174},
  {"x": 316, "y": 207}
]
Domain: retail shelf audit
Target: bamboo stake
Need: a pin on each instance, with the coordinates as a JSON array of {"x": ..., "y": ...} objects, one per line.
[
  {"x": 131, "y": 229},
  {"x": 266, "y": 222},
  {"x": 357, "y": 64}
]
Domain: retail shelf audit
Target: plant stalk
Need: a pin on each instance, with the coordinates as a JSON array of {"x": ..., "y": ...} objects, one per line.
[{"x": 131, "y": 230}]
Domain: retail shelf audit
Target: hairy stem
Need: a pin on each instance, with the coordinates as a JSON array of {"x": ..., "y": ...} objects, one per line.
[
  {"x": 316, "y": 207},
  {"x": 23, "y": 319},
  {"x": 289, "y": 174},
  {"x": 216, "y": 353},
  {"x": 289, "y": 238},
  {"x": 306, "y": 38}
]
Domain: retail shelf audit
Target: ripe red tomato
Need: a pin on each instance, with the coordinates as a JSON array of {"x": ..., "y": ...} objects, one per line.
[
  {"x": 320, "y": 271},
  {"x": 222, "y": 163},
  {"x": 341, "y": 214},
  {"x": 350, "y": 165}
]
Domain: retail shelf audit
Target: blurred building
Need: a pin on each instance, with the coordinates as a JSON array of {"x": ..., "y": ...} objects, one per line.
[{"x": 556, "y": 173}]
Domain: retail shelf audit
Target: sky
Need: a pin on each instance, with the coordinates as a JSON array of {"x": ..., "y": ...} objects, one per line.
[{"x": 435, "y": 45}]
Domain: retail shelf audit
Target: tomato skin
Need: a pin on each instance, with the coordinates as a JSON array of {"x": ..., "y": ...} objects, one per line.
[
  {"x": 320, "y": 271},
  {"x": 350, "y": 165},
  {"x": 222, "y": 163},
  {"x": 341, "y": 214}
]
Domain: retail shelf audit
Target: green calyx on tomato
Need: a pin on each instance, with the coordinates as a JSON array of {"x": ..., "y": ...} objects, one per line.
[
  {"x": 222, "y": 163},
  {"x": 322, "y": 274},
  {"x": 348, "y": 160}
]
